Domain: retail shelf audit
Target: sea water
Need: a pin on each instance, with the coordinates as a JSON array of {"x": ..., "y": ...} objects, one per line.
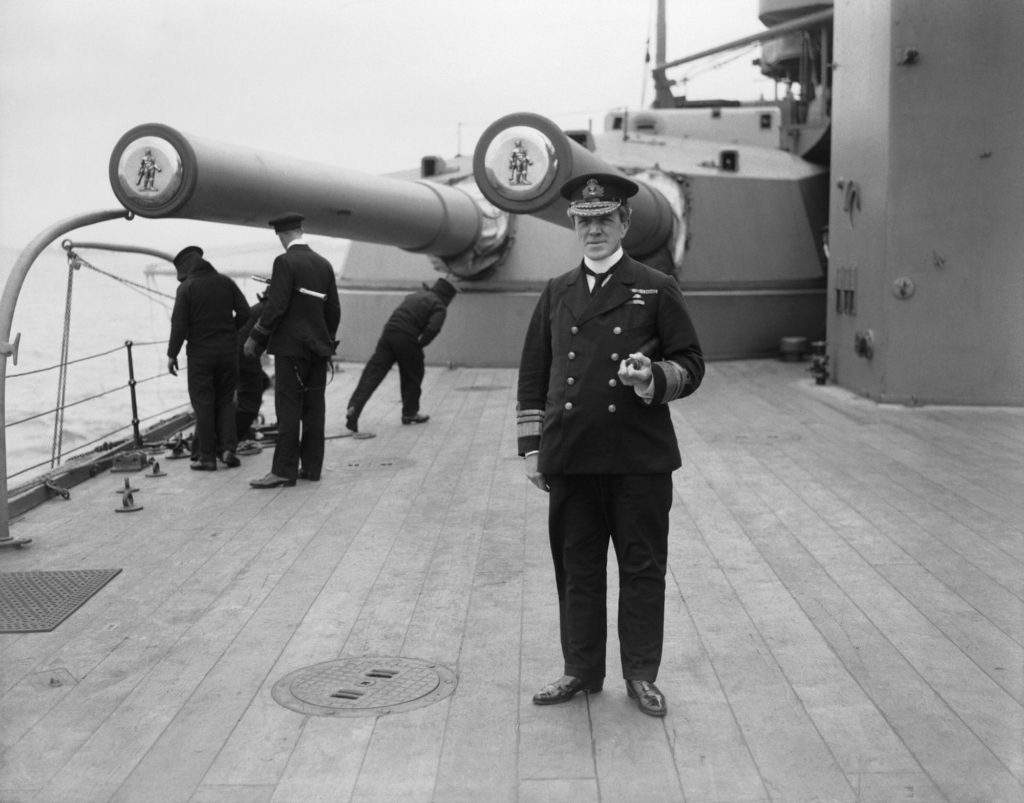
[{"x": 132, "y": 304}]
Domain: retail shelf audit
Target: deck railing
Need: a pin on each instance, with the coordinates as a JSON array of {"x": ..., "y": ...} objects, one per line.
[
  {"x": 9, "y": 349},
  {"x": 58, "y": 453}
]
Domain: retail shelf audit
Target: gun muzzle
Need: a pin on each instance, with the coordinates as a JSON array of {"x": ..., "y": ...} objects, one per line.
[{"x": 522, "y": 160}]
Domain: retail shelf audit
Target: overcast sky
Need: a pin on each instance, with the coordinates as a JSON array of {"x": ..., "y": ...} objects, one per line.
[{"x": 370, "y": 85}]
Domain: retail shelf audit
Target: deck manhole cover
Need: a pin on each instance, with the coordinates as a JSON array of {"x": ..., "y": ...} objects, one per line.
[{"x": 367, "y": 686}]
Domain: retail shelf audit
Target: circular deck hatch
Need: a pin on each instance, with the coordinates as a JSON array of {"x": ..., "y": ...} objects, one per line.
[{"x": 365, "y": 686}]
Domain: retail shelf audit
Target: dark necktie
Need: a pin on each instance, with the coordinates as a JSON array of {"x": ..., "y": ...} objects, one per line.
[{"x": 598, "y": 279}]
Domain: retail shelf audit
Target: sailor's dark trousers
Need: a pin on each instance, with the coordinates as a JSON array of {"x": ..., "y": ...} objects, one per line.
[
  {"x": 632, "y": 510},
  {"x": 299, "y": 384},
  {"x": 211, "y": 389},
  {"x": 393, "y": 347}
]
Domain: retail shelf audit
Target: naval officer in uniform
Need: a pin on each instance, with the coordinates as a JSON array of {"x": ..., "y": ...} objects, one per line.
[
  {"x": 610, "y": 343},
  {"x": 300, "y": 318}
]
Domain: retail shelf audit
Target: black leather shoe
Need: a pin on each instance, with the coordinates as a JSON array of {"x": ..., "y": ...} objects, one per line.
[
  {"x": 305, "y": 475},
  {"x": 564, "y": 689},
  {"x": 648, "y": 697},
  {"x": 351, "y": 420},
  {"x": 203, "y": 465},
  {"x": 272, "y": 481},
  {"x": 419, "y": 418},
  {"x": 231, "y": 460}
]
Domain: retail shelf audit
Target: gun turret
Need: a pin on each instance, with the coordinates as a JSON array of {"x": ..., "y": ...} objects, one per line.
[
  {"x": 741, "y": 243},
  {"x": 157, "y": 171},
  {"x": 522, "y": 160}
]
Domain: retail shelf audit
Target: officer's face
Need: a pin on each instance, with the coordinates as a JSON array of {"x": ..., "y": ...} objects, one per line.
[{"x": 601, "y": 235}]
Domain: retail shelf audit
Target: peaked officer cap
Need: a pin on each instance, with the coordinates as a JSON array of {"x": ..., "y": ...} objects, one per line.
[
  {"x": 594, "y": 194},
  {"x": 287, "y": 221}
]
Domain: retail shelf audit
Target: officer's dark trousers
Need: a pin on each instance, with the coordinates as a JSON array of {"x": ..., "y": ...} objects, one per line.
[
  {"x": 211, "y": 389},
  {"x": 586, "y": 510},
  {"x": 391, "y": 348},
  {"x": 299, "y": 404}
]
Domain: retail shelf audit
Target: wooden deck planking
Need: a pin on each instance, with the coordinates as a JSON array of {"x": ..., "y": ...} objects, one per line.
[
  {"x": 927, "y": 653},
  {"x": 142, "y": 626},
  {"x": 262, "y": 742},
  {"x": 950, "y": 613},
  {"x": 79, "y": 641},
  {"x": 844, "y": 615},
  {"x": 794, "y": 761},
  {"x": 963, "y": 562},
  {"x": 925, "y": 657},
  {"x": 710, "y": 750},
  {"x": 183, "y": 711}
]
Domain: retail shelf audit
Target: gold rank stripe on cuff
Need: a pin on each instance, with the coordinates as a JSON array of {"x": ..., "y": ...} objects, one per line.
[
  {"x": 529, "y": 423},
  {"x": 676, "y": 378}
]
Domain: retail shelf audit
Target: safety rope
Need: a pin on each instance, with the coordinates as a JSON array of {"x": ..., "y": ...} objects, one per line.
[
  {"x": 80, "y": 359},
  {"x": 140, "y": 288},
  {"x": 76, "y": 262},
  {"x": 62, "y": 376}
]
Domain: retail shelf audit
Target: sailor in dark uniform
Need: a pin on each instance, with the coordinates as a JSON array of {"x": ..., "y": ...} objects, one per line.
[
  {"x": 609, "y": 344},
  {"x": 298, "y": 326},
  {"x": 411, "y": 327},
  {"x": 209, "y": 309}
]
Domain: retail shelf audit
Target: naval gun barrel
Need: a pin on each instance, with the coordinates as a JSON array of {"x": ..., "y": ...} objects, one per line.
[
  {"x": 157, "y": 171},
  {"x": 522, "y": 160}
]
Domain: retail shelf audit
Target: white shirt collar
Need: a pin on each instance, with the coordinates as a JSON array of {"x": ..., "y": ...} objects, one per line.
[
  {"x": 296, "y": 241},
  {"x": 603, "y": 265}
]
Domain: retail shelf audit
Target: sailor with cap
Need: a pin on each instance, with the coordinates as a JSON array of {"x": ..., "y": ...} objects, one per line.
[
  {"x": 610, "y": 343},
  {"x": 411, "y": 327},
  {"x": 209, "y": 309},
  {"x": 298, "y": 325}
]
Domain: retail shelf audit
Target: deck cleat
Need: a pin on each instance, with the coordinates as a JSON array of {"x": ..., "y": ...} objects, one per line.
[
  {"x": 128, "y": 504},
  {"x": 179, "y": 448},
  {"x": 156, "y": 472},
  {"x": 128, "y": 488}
]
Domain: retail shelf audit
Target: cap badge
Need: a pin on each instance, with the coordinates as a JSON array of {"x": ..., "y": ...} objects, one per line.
[{"x": 593, "y": 190}]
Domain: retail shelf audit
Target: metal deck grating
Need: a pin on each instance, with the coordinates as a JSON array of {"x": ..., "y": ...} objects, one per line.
[{"x": 35, "y": 602}]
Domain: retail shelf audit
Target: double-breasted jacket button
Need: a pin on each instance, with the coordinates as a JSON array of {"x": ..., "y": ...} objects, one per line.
[
  {"x": 612, "y": 383},
  {"x": 572, "y": 355},
  {"x": 611, "y": 408},
  {"x": 617, "y": 330},
  {"x": 615, "y": 356},
  {"x": 568, "y": 405},
  {"x": 571, "y": 380},
  {"x": 575, "y": 330}
]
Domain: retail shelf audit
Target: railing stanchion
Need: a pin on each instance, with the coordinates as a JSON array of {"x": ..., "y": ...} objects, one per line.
[{"x": 131, "y": 388}]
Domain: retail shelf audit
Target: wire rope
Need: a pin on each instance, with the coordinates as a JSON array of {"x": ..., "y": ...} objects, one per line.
[{"x": 75, "y": 262}]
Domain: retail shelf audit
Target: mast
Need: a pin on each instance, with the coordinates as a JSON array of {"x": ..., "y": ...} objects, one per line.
[{"x": 663, "y": 98}]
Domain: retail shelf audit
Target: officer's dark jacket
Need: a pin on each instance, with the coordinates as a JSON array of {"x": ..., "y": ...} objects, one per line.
[
  {"x": 209, "y": 309},
  {"x": 571, "y": 404},
  {"x": 295, "y": 324},
  {"x": 252, "y": 379},
  {"x": 420, "y": 315}
]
